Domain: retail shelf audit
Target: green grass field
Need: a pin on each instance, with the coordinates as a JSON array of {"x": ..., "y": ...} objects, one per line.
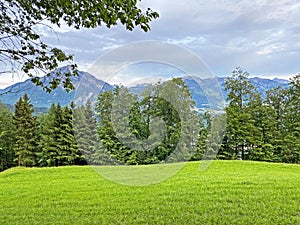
[{"x": 228, "y": 192}]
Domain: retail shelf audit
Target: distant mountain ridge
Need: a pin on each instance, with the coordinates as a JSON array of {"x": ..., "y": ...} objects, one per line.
[
  {"x": 85, "y": 84},
  {"x": 88, "y": 87},
  {"x": 261, "y": 84}
]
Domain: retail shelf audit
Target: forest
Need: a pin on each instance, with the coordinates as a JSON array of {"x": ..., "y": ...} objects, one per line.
[{"x": 260, "y": 129}]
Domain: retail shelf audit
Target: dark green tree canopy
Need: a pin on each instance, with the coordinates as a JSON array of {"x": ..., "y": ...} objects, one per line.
[{"x": 23, "y": 49}]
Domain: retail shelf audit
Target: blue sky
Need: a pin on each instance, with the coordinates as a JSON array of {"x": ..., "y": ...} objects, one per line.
[{"x": 261, "y": 36}]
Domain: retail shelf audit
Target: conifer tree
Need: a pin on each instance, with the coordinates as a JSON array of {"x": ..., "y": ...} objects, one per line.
[
  {"x": 25, "y": 133},
  {"x": 6, "y": 138},
  {"x": 291, "y": 133},
  {"x": 85, "y": 127},
  {"x": 262, "y": 139},
  {"x": 240, "y": 125},
  {"x": 57, "y": 143},
  {"x": 201, "y": 145},
  {"x": 110, "y": 145},
  {"x": 68, "y": 147},
  {"x": 276, "y": 101},
  {"x": 48, "y": 142}
]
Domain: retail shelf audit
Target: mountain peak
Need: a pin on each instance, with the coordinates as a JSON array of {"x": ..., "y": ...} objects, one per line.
[
  {"x": 281, "y": 81},
  {"x": 64, "y": 69},
  {"x": 87, "y": 87}
]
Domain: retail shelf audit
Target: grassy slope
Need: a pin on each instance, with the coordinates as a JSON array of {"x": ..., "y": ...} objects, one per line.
[{"x": 228, "y": 192}]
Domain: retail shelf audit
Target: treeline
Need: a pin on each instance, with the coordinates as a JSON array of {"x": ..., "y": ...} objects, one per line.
[
  {"x": 261, "y": 129},
  {"x": 122, "y": 128},
  {"x": 161, "y": 124}
]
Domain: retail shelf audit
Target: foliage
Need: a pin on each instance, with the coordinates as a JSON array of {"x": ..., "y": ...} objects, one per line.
[
  {"x": 25, "y": 133},
  {"x": 201, "y": 145},
  {"x": 22, "y": 47},
  {"x": 291, "y": 131},
  {"x": 261, "y": 129},
  {"x": 240, "y": 126},
  {"x": 150, "y": 128},
  {"x": 85, "y": 130},
  {"x": 160, "y": 125},
  {"x": 6, "y": 138},
  {"x": 57, "y": 143}
]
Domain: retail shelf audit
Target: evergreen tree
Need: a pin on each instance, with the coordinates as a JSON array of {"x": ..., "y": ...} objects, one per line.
[
  {"x": 58, "y": 144},
  {"x": 69, "y": 152},
  {"x": 205, "y": 126},
  {"x": 262, "y": 139},
  {"x": 48, "y": 139},
  {"x": 25, "y": 133},
  {"x": 240, "y": 125},
  {"x": 110, "y": 145},
  {"x": 276, "y": 102},
  {"x": 6, "y": 138},
  {"x": 85, "y": 127},
  {"x": 291, "y": 150}
]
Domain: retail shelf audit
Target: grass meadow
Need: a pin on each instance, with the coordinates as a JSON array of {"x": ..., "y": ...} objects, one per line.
[{"x": 227, "y": 192}]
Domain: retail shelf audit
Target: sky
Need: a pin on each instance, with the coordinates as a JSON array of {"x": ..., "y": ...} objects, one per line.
[{"x": 260, "y": 36}]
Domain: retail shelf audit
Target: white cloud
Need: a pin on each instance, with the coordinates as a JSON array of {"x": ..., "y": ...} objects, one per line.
[
  {"x": 262, "y": 36},
  {"x": 11, "y": 78}
]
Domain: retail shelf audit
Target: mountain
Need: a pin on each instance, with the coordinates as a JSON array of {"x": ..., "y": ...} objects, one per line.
[
  {"x": 197, "y": 92},
  {"x": 217, "y": 84},
  {"x": 261, "y": 84},
  {"x": 87, "y": 87}
]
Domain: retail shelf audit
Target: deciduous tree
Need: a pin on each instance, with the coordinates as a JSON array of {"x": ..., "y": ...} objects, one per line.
[{"x": 22, "y": 47}]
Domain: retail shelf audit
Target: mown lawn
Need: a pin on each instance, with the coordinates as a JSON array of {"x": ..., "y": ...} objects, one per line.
[{"x": 228, "y": 192}]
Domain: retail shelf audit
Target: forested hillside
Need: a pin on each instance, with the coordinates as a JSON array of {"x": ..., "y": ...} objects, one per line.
[{"x": 263, "y": 129}]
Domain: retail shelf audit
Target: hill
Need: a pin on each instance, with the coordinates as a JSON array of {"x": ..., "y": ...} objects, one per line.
[
  {"x": 87, "y": 86},
  {"x": 228, "y": 192}
]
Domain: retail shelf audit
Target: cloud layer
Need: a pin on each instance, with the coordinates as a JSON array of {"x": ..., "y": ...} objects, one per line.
[{"x": 261, "y": 36}]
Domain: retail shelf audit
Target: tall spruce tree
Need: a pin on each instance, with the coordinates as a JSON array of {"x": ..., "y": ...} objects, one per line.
[
  {"x": 6, "y": 138},
  {"x": 25, "y": 133},
  {"x": 85, "y": 128},
  {"x": 48, "y": 139},
  {"x": 69, "y": 152},
  {"x": 58, "y": 143}
]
